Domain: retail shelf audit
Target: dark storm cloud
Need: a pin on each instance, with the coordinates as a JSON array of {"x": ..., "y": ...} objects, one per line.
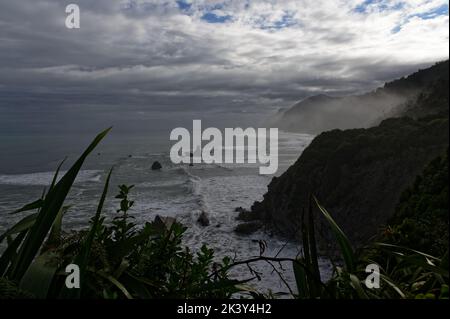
[{"x": 156, "y": 51}]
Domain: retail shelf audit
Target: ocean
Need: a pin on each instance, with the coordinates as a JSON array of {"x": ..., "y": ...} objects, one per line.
[{"x": 33, "y": 140}]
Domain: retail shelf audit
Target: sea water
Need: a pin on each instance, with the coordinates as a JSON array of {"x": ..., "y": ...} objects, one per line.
[{"x": 33, "y": 142}]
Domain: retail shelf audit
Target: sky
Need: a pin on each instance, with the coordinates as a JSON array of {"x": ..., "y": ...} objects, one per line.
[{"x": 266, "y": 53}]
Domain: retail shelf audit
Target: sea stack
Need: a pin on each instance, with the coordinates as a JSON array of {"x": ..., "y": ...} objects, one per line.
[
  {"x": 156, "y": 166},
  {"x": 203, "y": 219}
]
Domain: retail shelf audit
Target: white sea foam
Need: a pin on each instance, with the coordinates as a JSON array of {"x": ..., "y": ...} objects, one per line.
[
  {"x": 45, "y": 178},
  {"x": 163, "y": 183},
  {"x": 183, "y": 192}
]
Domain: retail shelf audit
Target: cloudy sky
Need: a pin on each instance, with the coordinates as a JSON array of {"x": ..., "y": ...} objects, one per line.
[{"x": 261, "y": 52}]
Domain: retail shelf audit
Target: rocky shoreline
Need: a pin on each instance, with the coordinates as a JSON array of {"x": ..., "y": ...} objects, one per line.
[{"x": 359, "y": 174}]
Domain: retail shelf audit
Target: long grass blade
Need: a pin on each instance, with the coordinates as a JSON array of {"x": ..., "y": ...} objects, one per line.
[
  {"x": 55, "y": 177},
  {"x": 39, "y": 276},
  {"x": 116, "y": 283},
  {"x": 54, "y": 238},
  {"x": 50, "y": 208},
  {"x": 314, "y": 260},
  {"x": 31, "y": 206},
  {"x": 8, "y": 255},
  {"x": 83, "y": 257},
  {"x": 356, "y": 284},
  {"x": 24, "y": 224},
  {"x": 392, "y": 248},
  {"x": 393, "y": 285},
  {"x": 344, "y": 243},
  {"x": 301, "y": 280}
]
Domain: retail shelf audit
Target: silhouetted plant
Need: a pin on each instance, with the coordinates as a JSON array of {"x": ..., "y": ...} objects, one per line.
[{"x": 122, "y": 260}]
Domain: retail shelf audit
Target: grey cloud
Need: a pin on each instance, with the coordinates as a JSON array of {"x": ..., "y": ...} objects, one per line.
[{"x": 152, "y": 52}]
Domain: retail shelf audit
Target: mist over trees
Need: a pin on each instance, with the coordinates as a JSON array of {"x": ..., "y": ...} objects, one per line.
[{"x": 320, "y": 113}]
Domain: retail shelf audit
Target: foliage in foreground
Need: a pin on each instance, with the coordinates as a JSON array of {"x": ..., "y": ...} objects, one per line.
[
  {"x": 404, "y": 272},
  {"x": 121, "y": 260},
  {"x": 115, "y": 261},
  {"x": 421, "y": 218}
]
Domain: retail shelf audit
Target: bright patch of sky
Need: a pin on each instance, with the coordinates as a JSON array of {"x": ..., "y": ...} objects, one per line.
[
  {"x": 184, "y": 5},
  {"x": 212, "y": 17},
  {"x": 369, "y": 6},
  {"x": 430, "y": 14},
  {"x": 433, "y": 13}
]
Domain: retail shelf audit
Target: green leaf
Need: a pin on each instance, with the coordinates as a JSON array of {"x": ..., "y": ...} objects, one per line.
[
  {"x": 55, "y": 177},
  {"x": 39, "y": 276},
  {"x": 55, "y": 233},
  {"x": 31, "y": 206},
  {"x": 116, "y": 283},
  {"x": 356, "y": 284},
  {"x": 301, "y": 280},
  {"x": 82, "y": 258},
  {"x": 344, "y": 243},
  {"x": 313, "y": 261},
  {"x": 393, "y": 285},
  {"x": 136, "y": 285},
  {"x": 392, "y": 248},
  {"x": 24, "y": 224},
  {"x": 9, "y": 253}
]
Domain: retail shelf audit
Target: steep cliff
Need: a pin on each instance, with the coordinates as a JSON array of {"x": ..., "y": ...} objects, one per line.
[
  {"x": 421, "y": 217},
  {"x": 359, "y": 174}
]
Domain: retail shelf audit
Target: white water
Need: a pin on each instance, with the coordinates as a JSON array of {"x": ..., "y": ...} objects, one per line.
[{"x": 182, "y": 192}]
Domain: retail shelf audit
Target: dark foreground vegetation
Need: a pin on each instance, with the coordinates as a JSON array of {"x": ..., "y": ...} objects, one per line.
[
  {"x": 361, "y": 174},
  {"x": 121, "y": 260}
]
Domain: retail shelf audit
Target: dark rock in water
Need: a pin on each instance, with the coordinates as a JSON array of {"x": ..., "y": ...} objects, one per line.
[
  {"x": 156, "y": 166},
  {"x": 239, "y": 209},
  {"x": 247, "y": 228},
  {"x": 129, "y": 156},
  {"x": 203, "y": 219},
  {"x": 246, "y": 215}
]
